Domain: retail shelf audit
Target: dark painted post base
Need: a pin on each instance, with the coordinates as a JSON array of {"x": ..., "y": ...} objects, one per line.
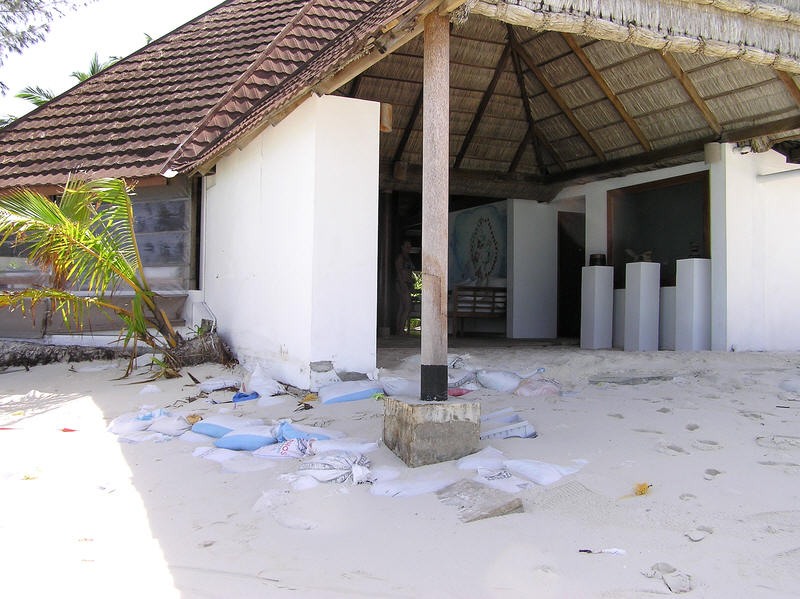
[{"x": 433, "y": 384}]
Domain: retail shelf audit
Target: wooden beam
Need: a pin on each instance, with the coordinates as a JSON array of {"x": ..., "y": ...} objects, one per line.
[
  {"x": 356, "y": 86},
  {"x": 401, "y": 146},
  {"x": 687, "y": 84},
  {"x": 791, "y": 85},
  {"x": 531, "y": 133},
  {"x": 389, "y": 43},
  {"x": 490, "y": 184},
  {"x": 520, "y": 151},
  {"x": 691, "y": 147},
  {"x": 601, "y": 83},
  {"x": 487, "y": 95},
  {"x": 435, "y": 200},
  {"x": 553, "y": 92},
  {"x": 534, "y": 135}
]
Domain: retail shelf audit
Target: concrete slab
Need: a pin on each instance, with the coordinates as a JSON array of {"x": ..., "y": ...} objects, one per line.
[
  {"x": 421, "y": 433},
  {"x": 475, "y": 501}
]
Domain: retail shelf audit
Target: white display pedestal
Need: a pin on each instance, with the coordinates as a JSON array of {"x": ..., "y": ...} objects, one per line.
[
  {"x": 618, "y": 339},
  {"x": 597, "y": 306},
  {"x": 693, "y": 305},
  {"x": 642, "y": 290},
  {"x": 666, "y": 319}
]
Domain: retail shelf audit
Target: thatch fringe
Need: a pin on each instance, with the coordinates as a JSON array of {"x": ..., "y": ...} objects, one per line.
[
  {"x": 538, "y": 18},
  {"x": 758, "y": 10}
]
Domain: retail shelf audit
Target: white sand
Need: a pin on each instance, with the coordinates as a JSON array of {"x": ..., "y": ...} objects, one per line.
[{"x": 84, "y": 515}]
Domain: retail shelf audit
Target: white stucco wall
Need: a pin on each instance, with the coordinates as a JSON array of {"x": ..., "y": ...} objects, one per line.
[
  {"x": 755, "y": 211},
  {"x": 532, "y": 270},
  {"x": 290, "y": 241}
]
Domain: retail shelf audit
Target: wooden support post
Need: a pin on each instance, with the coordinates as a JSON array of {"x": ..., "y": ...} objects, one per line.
[{"x": 435, "y": 195}]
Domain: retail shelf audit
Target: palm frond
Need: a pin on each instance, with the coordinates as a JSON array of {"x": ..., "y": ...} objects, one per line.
[{"x": 36, "y": 95}]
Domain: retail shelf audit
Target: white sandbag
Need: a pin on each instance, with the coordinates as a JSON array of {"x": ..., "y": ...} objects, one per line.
[
  {"x": 488, "y": 458},
  {"x": 142, "y": 436},
  {"x": 538, "y": 387},
  {"x": 499, "y": 380},
  {"x": 135, "y": 421},
  {"x": 400, "y": 387},
  {"x": 350, "y": 445},
  {"x": 541, "y": 473},
  {"x": 170, "y": 424},
  {"x": 458, "y": 377},
  {"x": 502, "y": 479},
  {"x": 413, "y": 486},
  {"x": 219, "y": 383},
  {"x": 348, "y": 391},
  {"x": 262, "y": 384},
  {"x": 337, "y": 468},
  {"x": 293, "y": 448}
]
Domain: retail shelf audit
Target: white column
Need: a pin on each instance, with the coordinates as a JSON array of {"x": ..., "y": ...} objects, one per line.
[
  {"x": 435, "y": 195},
  {"x": 693, "y": 305},
  {"x": 642, "y": 290},
  {"x": 597, "y": 306}
]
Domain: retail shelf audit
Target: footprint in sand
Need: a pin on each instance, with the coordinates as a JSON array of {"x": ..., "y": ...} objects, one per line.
[
  {"x": 782, "y": 442},
  {"x": 676, "y": 581},
  {"x": 699, "y": 533},
  {"x": 664, "y": 411},
  {"x": 620, "y": 416},
  {"x": 687, "y": 497},
  {"x": 711, "y": 473},
  {"x": 706, "y": 445},
  {"x": 692, "y": 426},
  {"x": 647, "y": 430},
  {"x": 671, "y": 449}
]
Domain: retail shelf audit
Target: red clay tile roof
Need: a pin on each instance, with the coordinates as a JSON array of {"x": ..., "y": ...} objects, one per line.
[{"x": 189, "y": 93}]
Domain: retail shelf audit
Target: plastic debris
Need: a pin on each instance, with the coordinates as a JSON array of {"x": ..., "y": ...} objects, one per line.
[{"x": 610, "y": 551}]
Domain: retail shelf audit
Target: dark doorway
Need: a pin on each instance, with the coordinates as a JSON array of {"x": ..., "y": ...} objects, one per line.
[{"x": 571, "y": 258}]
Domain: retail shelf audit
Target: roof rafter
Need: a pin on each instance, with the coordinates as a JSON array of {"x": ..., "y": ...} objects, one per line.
[
  {"x": 598, "y": 79},
  {"x": 553, "y": 92},
  {"x": 692, "y": 91},
  {"x": 533, "y": 135},
  {"x": 401, "y": 146},
  {"x": 487, "y": 95},
  {"x": 791, "y": 85}
]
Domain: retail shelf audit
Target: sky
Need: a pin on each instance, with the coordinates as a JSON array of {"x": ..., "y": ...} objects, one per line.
[{"x": 108, "y": 27}]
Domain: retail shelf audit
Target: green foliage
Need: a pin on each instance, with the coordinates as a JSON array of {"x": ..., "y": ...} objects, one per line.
[
  {"x": 85, "y": 242},
  {"x": 36, "y": 95},
  {"x": 95, "y": 66}
]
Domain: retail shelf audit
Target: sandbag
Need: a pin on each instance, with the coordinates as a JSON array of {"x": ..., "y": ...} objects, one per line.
[
  {"x": 538, "y": 387},
  {"x": 262, "y": 384},
  {"x": 337, "y": 467},
  {"x": 541, "y": 473},
  {"x": 170, "y": 424},
  {"x": 396, "y": 386},
  {"x": 348, "y": 391},
  {"x": 488, "y": 457},
  {"x": 499, "y": 380}
]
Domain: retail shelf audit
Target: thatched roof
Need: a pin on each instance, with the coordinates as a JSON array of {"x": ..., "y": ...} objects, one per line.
[{"x": 540, "y": 93}]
